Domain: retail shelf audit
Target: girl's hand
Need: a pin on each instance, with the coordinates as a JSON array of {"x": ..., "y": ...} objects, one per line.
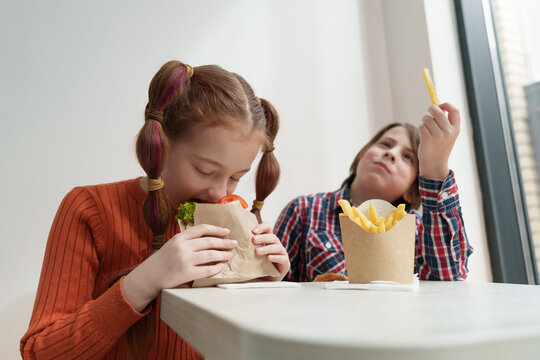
[
  {"x": 438, "y": 133},
  {"x": 193, "y": 254},
  {"x": 272, "y": 248}
]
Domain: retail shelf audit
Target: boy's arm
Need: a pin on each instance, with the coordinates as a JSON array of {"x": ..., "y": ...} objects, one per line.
[{"x": 442, "y": 247}]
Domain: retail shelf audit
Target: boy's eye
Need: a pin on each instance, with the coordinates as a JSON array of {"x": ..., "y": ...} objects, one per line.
[{"x": 408, "y": 158}]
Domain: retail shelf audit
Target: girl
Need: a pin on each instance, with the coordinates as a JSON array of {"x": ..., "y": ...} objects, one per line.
[
  {"x": 401, "y": 164},
  {"x": 203, "y": 128}
]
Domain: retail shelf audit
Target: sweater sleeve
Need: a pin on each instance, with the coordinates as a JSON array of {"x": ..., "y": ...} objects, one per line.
[
  {"x": 67, "y": 321},
  {"x": 442, "y": 247},
  {"x": 288, "y": 229}
]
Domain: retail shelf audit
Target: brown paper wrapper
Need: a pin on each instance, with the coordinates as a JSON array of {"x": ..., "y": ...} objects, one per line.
[
  {"x": 244, "y": 264},
  {"x": 388, "y": 256}
]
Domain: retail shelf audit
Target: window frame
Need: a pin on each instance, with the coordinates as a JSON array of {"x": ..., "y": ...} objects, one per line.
[{"x": 509, "y": 236}]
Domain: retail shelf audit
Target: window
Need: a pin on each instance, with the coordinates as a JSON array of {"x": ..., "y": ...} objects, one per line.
[{"x": 499, "y": 65}]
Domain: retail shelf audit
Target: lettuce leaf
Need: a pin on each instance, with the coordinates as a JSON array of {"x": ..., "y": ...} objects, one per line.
[{"x": 185, "y": 212}]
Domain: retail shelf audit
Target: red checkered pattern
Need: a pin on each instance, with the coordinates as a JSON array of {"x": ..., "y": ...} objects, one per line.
[{"x": 309, "y": 229}]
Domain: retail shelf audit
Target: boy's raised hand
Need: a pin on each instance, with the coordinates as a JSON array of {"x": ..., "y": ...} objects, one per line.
[
  {"x": 272, "y": 248},
  {"x": 198, "y": 252},
  {"x": 438, "y": 134}
]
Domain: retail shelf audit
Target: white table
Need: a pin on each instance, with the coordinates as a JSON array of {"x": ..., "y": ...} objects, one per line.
[{"x": 440, "y": 320}]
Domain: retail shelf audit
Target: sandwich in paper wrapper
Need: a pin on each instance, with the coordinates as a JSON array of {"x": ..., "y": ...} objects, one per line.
[
  {"x": 384, "y": 256},
  {"x": 244, "y": 264}
]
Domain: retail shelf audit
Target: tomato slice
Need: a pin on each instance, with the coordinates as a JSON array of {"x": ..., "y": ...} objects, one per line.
[{"x": 232, "y": 197}]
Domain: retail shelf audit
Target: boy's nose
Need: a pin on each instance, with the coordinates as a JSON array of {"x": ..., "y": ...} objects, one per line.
[{"x": 391, "y": 156}]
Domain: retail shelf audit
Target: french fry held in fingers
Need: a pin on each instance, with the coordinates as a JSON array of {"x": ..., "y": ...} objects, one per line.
[
  {"x": 374, "y": 223},
  {"x": 430, "y": 87}
]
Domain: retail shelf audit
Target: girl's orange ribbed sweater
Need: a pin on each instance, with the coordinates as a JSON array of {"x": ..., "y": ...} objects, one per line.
[{"x": 98, "y": 233}]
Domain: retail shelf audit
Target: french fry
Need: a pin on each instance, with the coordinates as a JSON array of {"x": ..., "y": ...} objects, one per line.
[
  {"x": 373, "y": 214},
  {"x": 346, "y": 208},
  {"x": 430, "y": 87},
  {"x": 364, "y": 221},
  {"x": 356, "y": 216},
  {"x": 399, "y": 215},
  {"x": 374, "y": 224},
  {"x": 389, "y": 222}
]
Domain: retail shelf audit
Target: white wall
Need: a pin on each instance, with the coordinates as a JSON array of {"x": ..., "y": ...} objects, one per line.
[{"x": 74, "y": 85}]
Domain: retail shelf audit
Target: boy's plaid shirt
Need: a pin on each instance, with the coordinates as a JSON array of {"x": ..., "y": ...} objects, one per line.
[{"x": 309, "y": 229}]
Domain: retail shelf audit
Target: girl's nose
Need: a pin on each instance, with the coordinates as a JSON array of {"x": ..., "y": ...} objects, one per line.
[{"x": 217, "y": 192}]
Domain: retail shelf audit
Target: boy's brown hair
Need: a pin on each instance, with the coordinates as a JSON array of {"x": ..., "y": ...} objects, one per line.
[{"x": 415, "y": 141}]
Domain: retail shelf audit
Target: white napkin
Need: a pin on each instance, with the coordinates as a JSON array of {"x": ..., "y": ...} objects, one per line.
[
  {"x": 260, "y": 284},
  {"x": 374, "y": 285}
]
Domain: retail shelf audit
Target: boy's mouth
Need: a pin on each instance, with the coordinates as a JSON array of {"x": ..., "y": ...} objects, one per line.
[{"x": 382, "y": 166}]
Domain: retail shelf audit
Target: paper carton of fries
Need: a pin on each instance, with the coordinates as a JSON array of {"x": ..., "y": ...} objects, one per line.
[{"x": 379, "y": 242}]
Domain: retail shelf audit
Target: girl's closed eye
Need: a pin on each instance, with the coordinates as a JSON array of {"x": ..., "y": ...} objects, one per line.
[
  {"x": 238, "y": 175},
  {"x": 203, "y": 172}
]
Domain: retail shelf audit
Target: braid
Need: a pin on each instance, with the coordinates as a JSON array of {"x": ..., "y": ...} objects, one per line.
[
  {"x": 152, "y": 154},
  {"x": 152, "y": 144},
  {"x": 181, "y": 97},
  {"x": 152, "y": 147},
  {"x": 268, "y": 171}
]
